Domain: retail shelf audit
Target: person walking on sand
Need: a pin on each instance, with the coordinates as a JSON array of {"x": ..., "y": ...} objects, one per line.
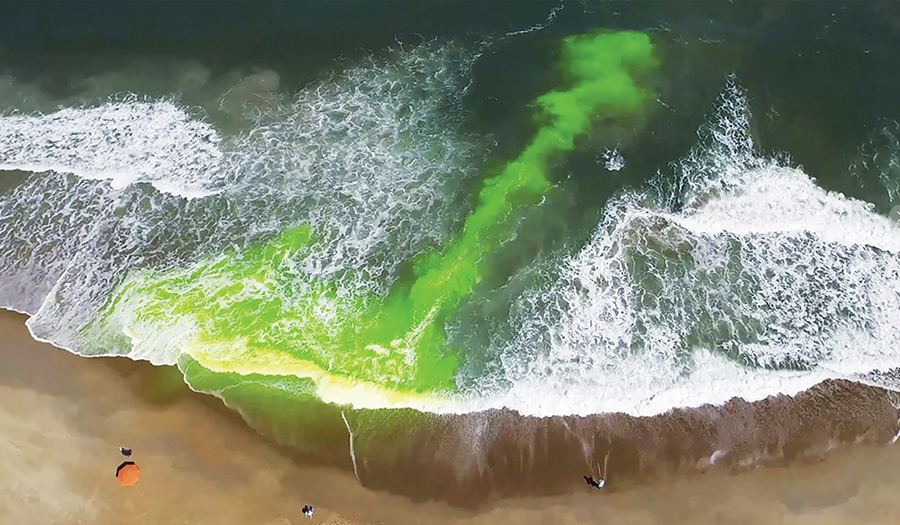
[{"x": 601, "y": 475}]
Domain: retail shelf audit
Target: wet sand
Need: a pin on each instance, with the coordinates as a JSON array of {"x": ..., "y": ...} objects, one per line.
[{"x": 62, "y": 419}]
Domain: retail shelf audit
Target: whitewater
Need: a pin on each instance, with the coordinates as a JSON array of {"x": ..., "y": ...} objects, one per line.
[{"x": 737, "y": 277}]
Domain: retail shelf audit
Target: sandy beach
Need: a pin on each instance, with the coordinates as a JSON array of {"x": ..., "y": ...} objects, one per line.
[{"x": 63, "y": 417}]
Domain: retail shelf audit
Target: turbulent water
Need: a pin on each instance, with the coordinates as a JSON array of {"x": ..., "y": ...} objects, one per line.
[
  {"x": 417, "y": 226},
  {"x": 756, "y": 282}
]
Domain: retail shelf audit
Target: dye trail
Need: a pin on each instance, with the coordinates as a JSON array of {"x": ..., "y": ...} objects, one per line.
[{"x": 255, "y": 312}]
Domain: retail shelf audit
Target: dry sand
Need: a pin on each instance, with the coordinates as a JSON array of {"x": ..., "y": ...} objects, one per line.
[{"x": 63, "y": 417}]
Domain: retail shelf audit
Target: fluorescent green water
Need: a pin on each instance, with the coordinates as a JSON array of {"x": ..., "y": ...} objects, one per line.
[{"x": 255, "y": 312}]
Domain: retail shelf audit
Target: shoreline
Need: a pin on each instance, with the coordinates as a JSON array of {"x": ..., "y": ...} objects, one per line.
[{"x": 63, "y": 418}]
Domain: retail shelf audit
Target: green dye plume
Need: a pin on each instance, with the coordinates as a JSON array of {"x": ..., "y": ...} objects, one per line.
[
  {"x": 250, "y": 312},
  {"x": 600, "y": 68}
]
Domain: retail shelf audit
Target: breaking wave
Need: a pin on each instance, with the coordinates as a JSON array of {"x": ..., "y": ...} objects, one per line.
[{"x": 746, "y": 279}]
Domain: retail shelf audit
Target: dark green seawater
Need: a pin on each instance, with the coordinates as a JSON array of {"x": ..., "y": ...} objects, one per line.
[{"x": 560, "y": 208}]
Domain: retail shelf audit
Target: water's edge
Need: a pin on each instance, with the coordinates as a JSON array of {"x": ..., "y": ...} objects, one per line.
[{"x": 470, "y": 460}]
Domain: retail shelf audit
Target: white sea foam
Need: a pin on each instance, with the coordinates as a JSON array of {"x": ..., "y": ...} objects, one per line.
[
  {"x": 374, "y": 154},
  {"x": 879, "y": 158},
  {"x": 123, "y": 142}
]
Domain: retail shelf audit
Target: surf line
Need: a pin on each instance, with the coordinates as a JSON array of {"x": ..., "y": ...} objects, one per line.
[{"x": 352, "y": 453}]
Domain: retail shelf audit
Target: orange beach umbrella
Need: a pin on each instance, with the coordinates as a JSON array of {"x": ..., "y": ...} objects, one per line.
[{"x": 128, "y": 473}]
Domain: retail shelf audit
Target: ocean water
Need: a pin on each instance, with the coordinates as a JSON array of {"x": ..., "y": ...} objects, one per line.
[{"x": 558, "y": 209}]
